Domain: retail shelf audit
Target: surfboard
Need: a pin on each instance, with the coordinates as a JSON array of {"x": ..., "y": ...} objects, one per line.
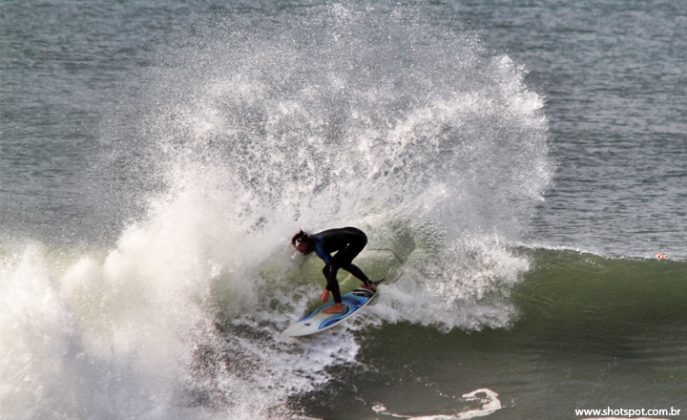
[{"x": 317, "y": 321}]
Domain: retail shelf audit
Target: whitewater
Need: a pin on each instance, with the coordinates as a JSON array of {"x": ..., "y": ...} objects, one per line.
[
  {"x": 515, "y": 168},
  {"x": 340, "y": 117}
]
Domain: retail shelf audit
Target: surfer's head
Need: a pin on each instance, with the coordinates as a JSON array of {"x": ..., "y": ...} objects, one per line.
[{"x": 301, "y": 241}]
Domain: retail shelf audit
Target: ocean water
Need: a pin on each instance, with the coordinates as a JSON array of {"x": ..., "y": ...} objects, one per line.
[{"x": 516, "y": 166}]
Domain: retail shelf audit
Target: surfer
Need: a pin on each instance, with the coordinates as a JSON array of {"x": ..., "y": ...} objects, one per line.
[{"x": 347, "y": 243}]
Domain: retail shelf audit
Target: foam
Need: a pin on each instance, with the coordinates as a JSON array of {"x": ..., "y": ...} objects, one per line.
[
  {"x": 337, "y": 118},
  {"x": 485, "y": 397}
]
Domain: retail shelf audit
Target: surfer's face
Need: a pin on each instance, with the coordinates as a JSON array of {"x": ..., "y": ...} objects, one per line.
[{"x": 302, "y": 247}]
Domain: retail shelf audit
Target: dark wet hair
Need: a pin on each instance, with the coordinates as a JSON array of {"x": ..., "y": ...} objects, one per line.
[{"x": 299, "y": 237}]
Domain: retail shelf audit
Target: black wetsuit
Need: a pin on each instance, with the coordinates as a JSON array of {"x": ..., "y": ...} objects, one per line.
[{"x": 347, "y": 243}]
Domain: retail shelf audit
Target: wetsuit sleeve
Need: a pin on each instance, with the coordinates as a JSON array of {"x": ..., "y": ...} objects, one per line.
[{"x": 319, "y": 249}]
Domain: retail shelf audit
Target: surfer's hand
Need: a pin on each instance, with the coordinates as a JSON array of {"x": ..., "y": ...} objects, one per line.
[{"x": 324, "y": 296}]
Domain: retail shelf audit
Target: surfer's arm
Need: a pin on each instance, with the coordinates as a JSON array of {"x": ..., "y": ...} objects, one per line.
[{"x": 319, "y": 250}]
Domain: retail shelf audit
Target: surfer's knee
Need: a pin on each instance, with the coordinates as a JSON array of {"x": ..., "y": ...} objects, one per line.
[{"x": 329, "y": 270}]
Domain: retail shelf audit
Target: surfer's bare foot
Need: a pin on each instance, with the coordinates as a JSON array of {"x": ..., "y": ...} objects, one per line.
[
  {"x": 369, "y": 286},
  {"x": 336, "y": 308}
]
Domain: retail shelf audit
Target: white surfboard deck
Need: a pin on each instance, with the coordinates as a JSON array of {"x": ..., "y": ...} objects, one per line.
[{"x": 317, "y": 321}]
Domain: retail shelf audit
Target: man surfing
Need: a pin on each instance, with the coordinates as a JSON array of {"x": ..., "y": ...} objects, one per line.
[{"x": 347, "y": 243}]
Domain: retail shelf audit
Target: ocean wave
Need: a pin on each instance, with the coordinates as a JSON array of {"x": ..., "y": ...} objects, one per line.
[{"x": 412, "y": 132}]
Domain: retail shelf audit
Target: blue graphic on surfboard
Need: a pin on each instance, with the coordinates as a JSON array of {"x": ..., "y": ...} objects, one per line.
[{"x": 317, "y": 321}]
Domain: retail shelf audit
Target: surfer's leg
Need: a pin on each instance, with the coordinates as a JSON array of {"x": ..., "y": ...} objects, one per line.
[
  {"x": 357, "y": 273},
  {"x": 332, "y": 283},
  {"x": 346, "y": 256},
  {"x": 344, "y": 259}
]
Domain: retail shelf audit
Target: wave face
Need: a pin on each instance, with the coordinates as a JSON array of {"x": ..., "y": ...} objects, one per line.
[
  {"x": 314, "y": 119},
  {"x": 606, "y": 331},
  {"x": 566, "y": 286}
]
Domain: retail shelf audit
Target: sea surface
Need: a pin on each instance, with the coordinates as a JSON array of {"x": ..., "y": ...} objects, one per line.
[{"x": 517, "y": 167}]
